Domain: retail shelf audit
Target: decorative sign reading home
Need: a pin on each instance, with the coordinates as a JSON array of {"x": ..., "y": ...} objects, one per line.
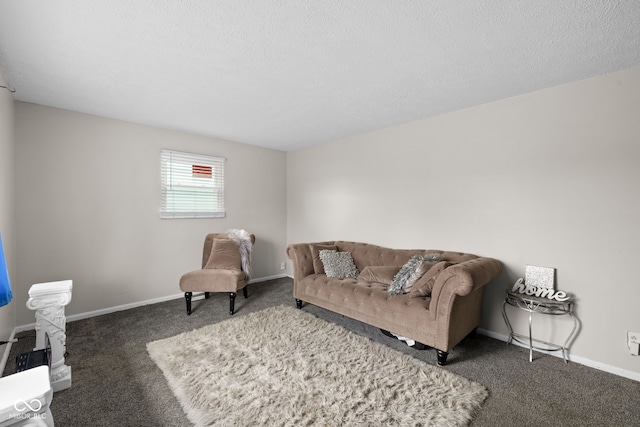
[{"x": 538, "y": 282}]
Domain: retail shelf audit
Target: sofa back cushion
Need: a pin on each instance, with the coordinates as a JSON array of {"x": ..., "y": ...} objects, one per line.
[
  {"x": 365, "y": 254},
  {"x": 455, "y": 257},
  {"x": 225, "y": 254}
]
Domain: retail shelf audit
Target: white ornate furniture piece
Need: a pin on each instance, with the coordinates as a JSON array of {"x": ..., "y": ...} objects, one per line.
[
  {"x": 25, "y": 398},
  {"x": 48, "y": 300}
]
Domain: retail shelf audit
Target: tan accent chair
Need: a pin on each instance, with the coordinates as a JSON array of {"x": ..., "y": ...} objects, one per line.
[{"x": 221, "y": 271}]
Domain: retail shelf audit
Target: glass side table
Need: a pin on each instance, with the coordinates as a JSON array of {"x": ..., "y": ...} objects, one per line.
[{"x": 533, "y": 304}]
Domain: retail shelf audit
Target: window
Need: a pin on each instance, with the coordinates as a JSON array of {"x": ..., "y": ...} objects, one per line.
[{"x": 192, "y": 185}]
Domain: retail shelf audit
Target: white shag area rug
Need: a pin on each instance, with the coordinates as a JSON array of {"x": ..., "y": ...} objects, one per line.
[{"x": 285, "y": 367}]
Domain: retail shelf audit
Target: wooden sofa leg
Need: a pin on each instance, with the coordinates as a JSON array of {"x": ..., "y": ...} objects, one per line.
[
  {"x": 442, "y": 357},
  {"x": 298, "y": 303},
  {"x": 245, "y": 293},
  {"x": 187, "y": 297},
  {"x": 232, "y": 300},
  {"x": 207, "y": 295}
]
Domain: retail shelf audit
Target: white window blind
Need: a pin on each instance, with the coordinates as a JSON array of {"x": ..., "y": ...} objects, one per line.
[{"x": 192, "y": 185}]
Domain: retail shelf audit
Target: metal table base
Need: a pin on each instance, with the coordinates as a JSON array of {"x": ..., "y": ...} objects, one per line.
[{"x": 533, "y": 304}]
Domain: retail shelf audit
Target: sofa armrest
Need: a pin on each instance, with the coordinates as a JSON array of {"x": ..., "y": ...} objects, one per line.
[
  {"x": 456, "y": 299},
  {"x": 463, "y": 278},
  {"x": 300, "y": 255}
]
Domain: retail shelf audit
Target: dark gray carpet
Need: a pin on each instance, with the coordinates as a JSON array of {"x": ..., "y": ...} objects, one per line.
[{"x": 115, "y": 382}]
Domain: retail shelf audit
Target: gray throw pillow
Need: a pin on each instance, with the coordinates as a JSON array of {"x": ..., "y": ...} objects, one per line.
[
  {"x": 338, "y": 265},
  {"x": 407, "y": 270}
]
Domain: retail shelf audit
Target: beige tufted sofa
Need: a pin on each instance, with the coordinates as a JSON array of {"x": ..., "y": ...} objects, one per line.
[{"x": 451, "y": 312}]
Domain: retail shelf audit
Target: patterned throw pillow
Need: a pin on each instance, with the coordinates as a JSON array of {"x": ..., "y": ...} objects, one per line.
[
  {"x": 318, "y": 268},
  {"x": 422, "y": 268},
  {"x": 338, "y": 265},
  {"x": 407, "y": 270}
]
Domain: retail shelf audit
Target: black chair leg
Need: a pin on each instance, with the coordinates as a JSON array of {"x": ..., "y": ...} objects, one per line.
[
  {"x": 187, "y": 297},
  {"x": 232, "y": 300},
  {"x": 245, "y": 292}
]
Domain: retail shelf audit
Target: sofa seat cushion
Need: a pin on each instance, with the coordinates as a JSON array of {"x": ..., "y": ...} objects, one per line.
[
  {"x": 368, "y": 302},
  {"x": 213, "y": 280}
]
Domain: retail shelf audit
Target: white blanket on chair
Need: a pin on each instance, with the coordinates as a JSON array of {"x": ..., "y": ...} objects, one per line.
[{"x": 243, "y": 239}]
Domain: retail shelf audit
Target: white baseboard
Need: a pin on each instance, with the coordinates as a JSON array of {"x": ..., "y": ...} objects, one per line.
[
  {"x": 100, "y": 312},
  {"x": 501, "y": 337},
  {"x": 264, "y": 279},
  {"x": 573, "y": 358}
]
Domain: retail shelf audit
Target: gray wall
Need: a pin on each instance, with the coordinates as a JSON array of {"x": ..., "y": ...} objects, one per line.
[
  {"x": 7, "y": 217},
  {"x": 87, "y": 208},
  {"x": 550, "y": 178}
]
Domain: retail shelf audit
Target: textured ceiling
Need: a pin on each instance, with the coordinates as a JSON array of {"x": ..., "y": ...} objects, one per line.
[{"x": 290, "y": 74}]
